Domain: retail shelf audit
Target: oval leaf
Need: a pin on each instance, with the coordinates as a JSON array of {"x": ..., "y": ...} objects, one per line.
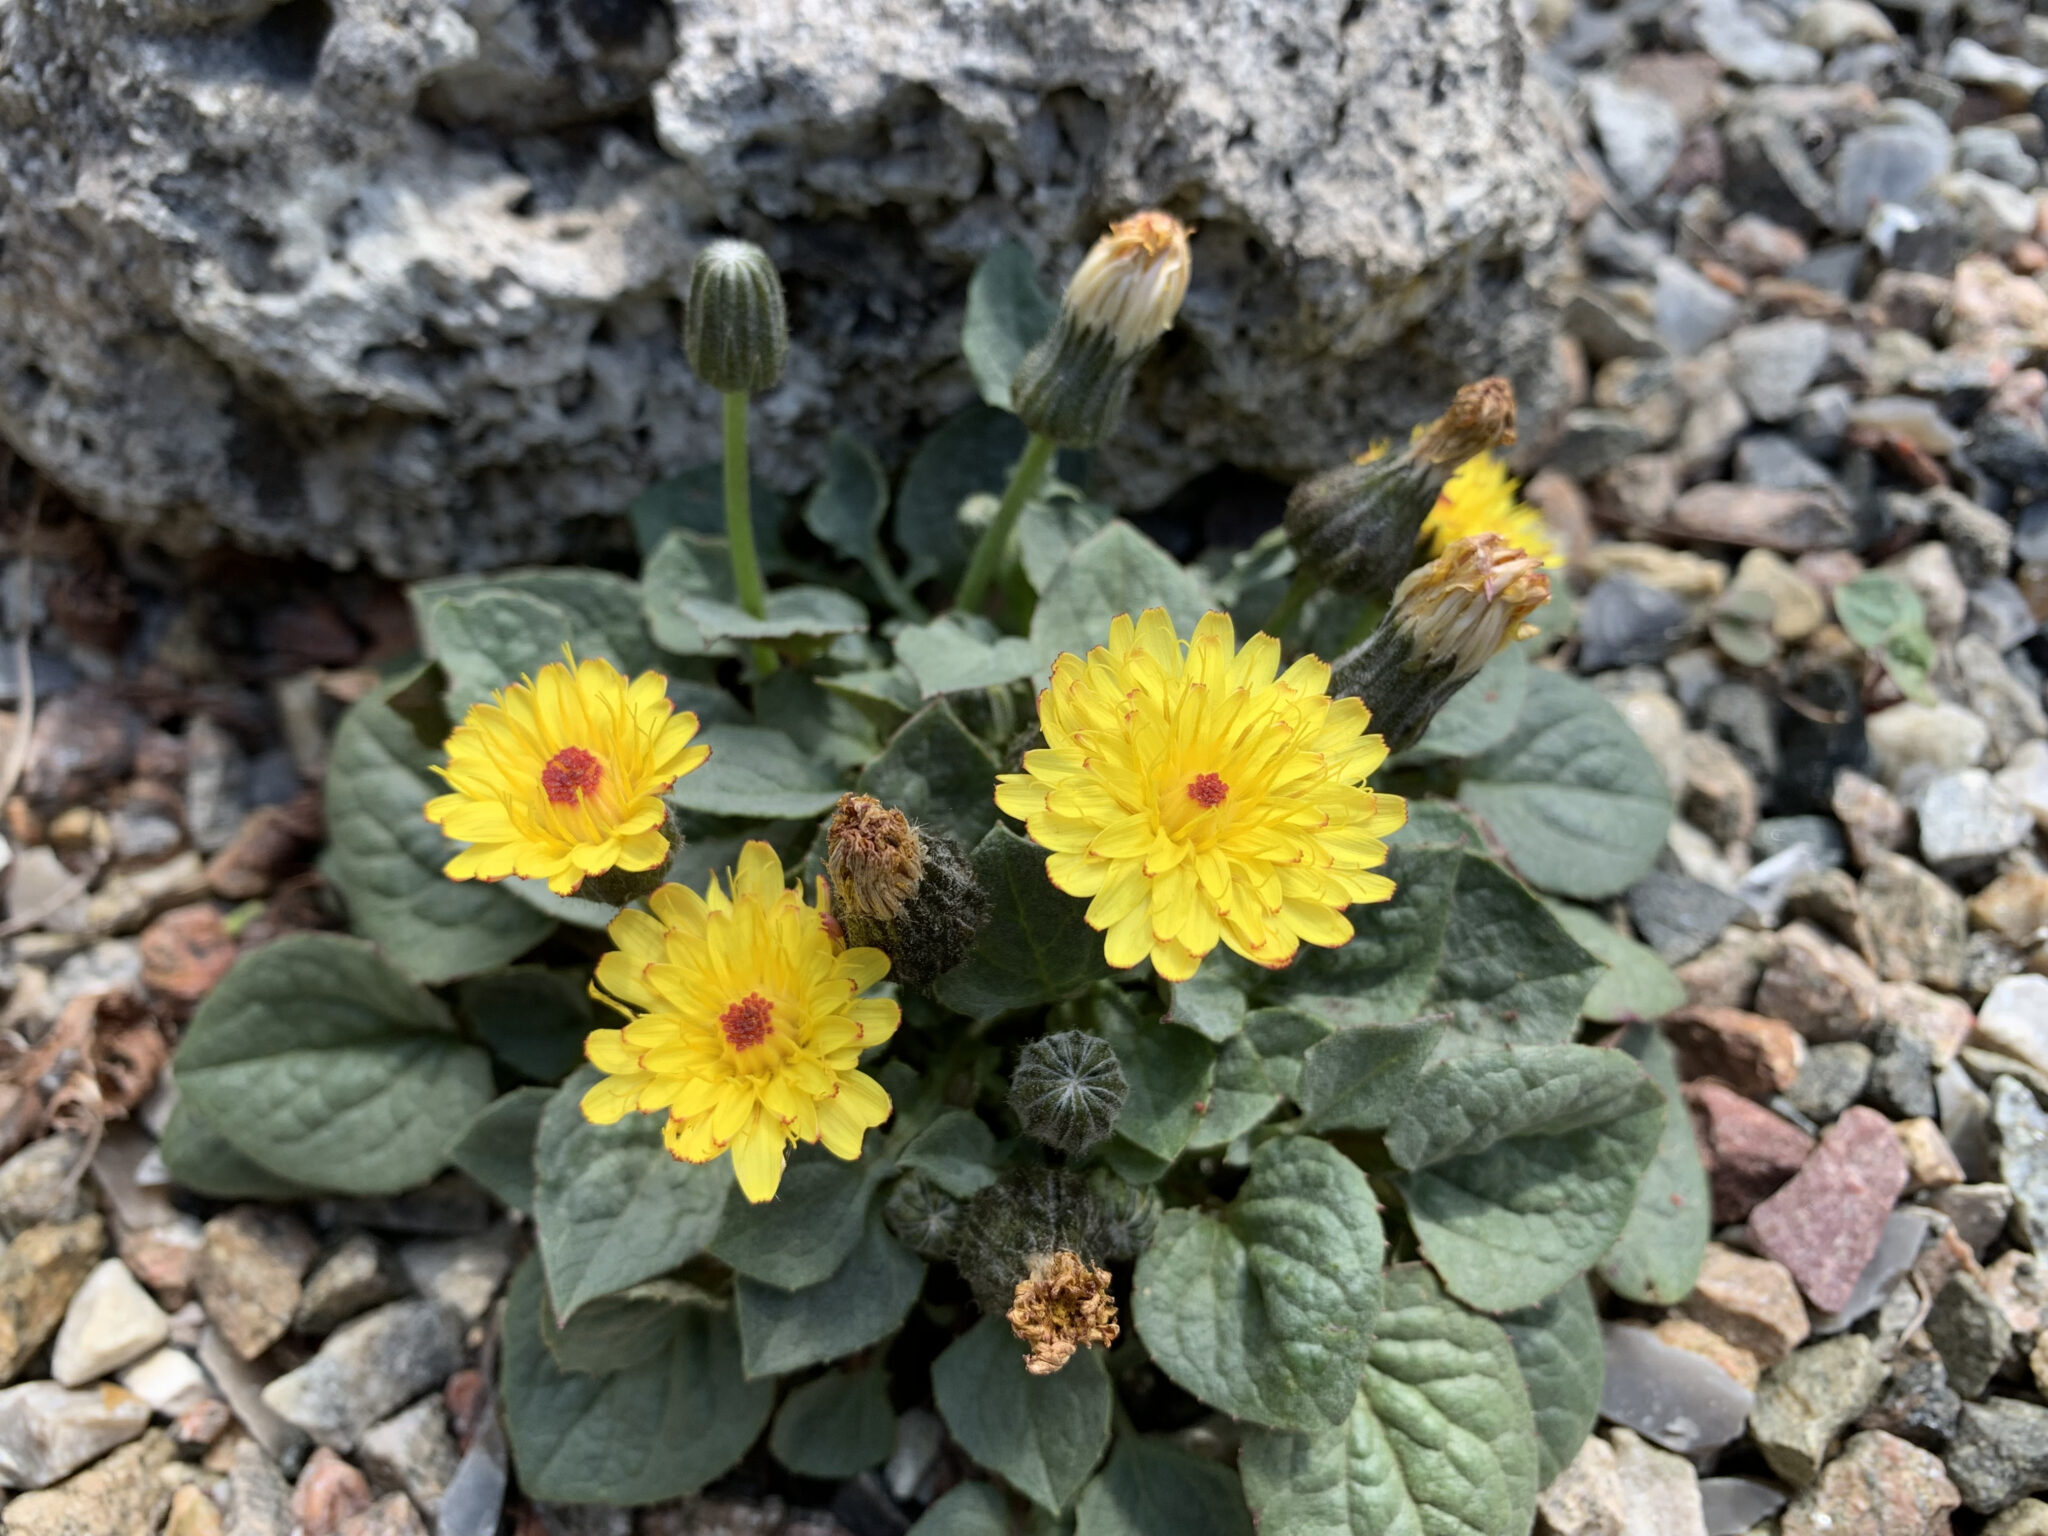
[
  {"x": 1037, "y": 947},
  {"x": 1656, "y": 1260},
  {"x": 1042, "y": 1434},
  {"x": 1007, "y": 312},
  {"x": 864, "y": 1300},
  {"x": 1116, "y": 571},
  {"x": 756, "y": 773},
  {"x": 838, "y": 1425},
  {"x": 1557, "y": 1345},
  {"x": 1154, "y": 1488}
]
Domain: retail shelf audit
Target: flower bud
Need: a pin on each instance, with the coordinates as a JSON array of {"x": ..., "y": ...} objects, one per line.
[
  {"x": 1068, "y": 1090},
  {"x": 1356, "y": 527},
  {"x": 1125, "y": 1215},
  {"x": 735, "y": 331},
  {"x": 1123, "y": 298},
  {"x": 924, "y": 1218},
  {"x": 1449, "y": 618},
  {"x": 1060, "y": 1306},
  {"x": 617, "y": 887},
  {"x": 905, "y": 890}
]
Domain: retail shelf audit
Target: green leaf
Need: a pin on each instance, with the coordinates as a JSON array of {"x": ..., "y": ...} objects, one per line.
[
  {"x": 1041, "y": 1434},
  {"x": 1523, "y": 1165},
  {"x": 1657, "y": 1258},
  {"x": 533, "y": 1019},
  {"x": 972, "y": 1509},
  {"x": 1037, "y": 947},
  {"x": 1480, "y": 714},
  {"x": 203, "y": 1160},
  {"x": 657, "y": 1430},
  {"x": 1440, "y": 1439},
  {"x": 1007, "y": 312},
  {"x": 497, "y": 1148},
  {"x": 695, "y": 502},
  {"x": 1154, "y": 1488},
  {"x": 616, "y": 1332},
  {"x": 801, "y": 1236},
  {"x": 957, "y": 652},
  {"x": 1241, "y": 1095},
  {"x": 937, "y": 774},
  {"x": 846, "y": 508},
  {"x": 692, "y": 604},
  {"x": 318, "y": 1060},
  {"x": 838, "y": 1425},
  {"x": 1213, "y": 1001},
  {"x": 1557, "y": 1346},
  {"x": 489, "y": 631},
  {"x": 970, "y": 453},
  {"x": 957, "y": 1152},
  {"x": 1266, "y": 1312},
  {"x": 1884, "y": 616},
  {"x": 1572, "y": 794},
  {"x": 386, "y": 858},
  {"x": 824, "y": 726},
  {"x": 1637, "y": 984},
  {"x": 611, "y": 1207},
  {"x": 1168, "y": 1070},
  {"x": 1283, "y": 1037},
  {"x": 1051, "y": 527},
  {"x": 756, "y": 773},
  {"x": 1116, "y": 571},
  {"x": 884, "y": 694},
  {"x": 865, "y": 1300},
  {"x": 1355, "y": 1079}
]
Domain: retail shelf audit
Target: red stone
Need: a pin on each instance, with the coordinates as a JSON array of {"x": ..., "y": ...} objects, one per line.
[
  {"x": 1749, "y": 1152},
  {"x": 1825, "y": 1224},
  {"x": 329, "y": 1491},
  {"x": 186, "y": 951}
]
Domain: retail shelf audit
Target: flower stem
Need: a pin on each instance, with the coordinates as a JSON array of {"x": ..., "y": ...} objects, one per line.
[
  {"x": 1025, "y": 480},
  {"x": 739, "y": 524},
  {"x": 1282, "y": 618}
]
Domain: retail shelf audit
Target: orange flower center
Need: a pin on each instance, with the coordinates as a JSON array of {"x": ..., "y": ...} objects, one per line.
[
  {"x": 748, "y": 1022},
  {"x": 1208, "y": 791},
  {"x": 571, "y": 774}
]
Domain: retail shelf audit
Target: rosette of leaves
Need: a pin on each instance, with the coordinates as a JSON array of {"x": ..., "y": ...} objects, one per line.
[{"x": 1249, "y": 1149}]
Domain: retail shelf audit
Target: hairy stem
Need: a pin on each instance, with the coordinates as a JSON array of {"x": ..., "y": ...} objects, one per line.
[{"x": 1025, "y": 480}]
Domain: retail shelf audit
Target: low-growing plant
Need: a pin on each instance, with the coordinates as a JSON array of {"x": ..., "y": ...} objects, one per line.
[{"x": 854, "y": 1034}]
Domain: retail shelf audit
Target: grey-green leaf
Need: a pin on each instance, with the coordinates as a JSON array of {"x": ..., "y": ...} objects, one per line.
[
  {"x": 1168, "y": 1069},
  {"x": 1113, "y": 572},
  {"x": 848, "y": 504},
  {"x": 972, "y": 1509},
  {"x": 692, "y": 605},
  {"x": 1557, "y": 1346},
  {"x": 937, "y": 774},
  {"x": 1154, "y": 1488},
  {"x": 956, "y": 652},
  {"x": 1266, "y": 1313},
  {"x": 1037, "y": 947},
  {"x": 535, "y": 1020},
  {"x": 695, "y": 501},
  {"x": 1440, "y": 1440},
  {"x": 1523, "y": 1165},
  {"x": 497, "y": 1148},
  {"x": 801, "y": 1236},
  {"x": 1357, "y": 1078},
  {"x": 956, "y": 1151},
  {"x": 1041, "y": 1434},
  {"x": 202, "y": 1159},
  {"x": 1007, "y": 312},
  {"x": 866, "y": 1299},
  {"x": 1656, "y": 1260},
  {"x": 1240, "y": 1096},
  {"x": 1480, "y": 714},
  {"x": 970, "y": 453},
  {"x": 835, "y": 1426},
  {"x": 320, "y": 1061},
  {"x": 1636, "y": 984},
  {"x": 759, "y": 774}
]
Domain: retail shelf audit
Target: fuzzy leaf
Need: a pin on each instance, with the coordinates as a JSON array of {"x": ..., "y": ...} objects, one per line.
[
  {"x": 497, "y": 1148},
  {"x": 1557, "y": 1346},
  {"x": 1523, "y": 1165},
  {"x": 617, "y": 1332},
  {"x": 866, "y": 1299},
  {"x": 756, "y": 773},
  {"x": 1573, "y": 795},
  {"x": 957, "y": 1152},
  {"x": 847, "y": 506},
  {"x": 971, "y": 453},
  {"x": 611, "y": 1207},
  {"x": 319, "y": 1061},
  {"x": 202, "y": 1159},
  {"x": 957, "y": 652},
  {"x": 534, "y": 1019},
  {"x": 825, "y": 726},
  {"x": 1283, "y": 1037},
  {"x": 938, "y": 775},
  {"x": 656, "y": 1430},
  {"x": 1355, "y": 1079},
  {"x": 1041, "y": 1434},
  {"x": 838, "y": 1425},
  {"x": 1051, "y": 527},
  {"x": 489, "y": 631},
  {"x": 801, "y": 1236},
  {"x": 1480, "y": 714},
  {"x": 1154, "y": 1488},
  {"x": 1168, "y": 1071},
  {"x": 1037, "y": 947},
  {"x": 1212, "y": 1002},
  {"x": 691, "y": 602},
  {"x": 1116, "y": 571},
  {"x": 1656, "y": 1260},
  {"x": 1240, "y": 1097},
  {"x": 1007, "y": 312},
  {"x": 1440, "y": 1440},
  {"x": 971, "y": 1509},
  {"x": 1637, "y": 984},
  {"x": 1266, "y": 1312},
  {"x": 694, "y": 501}
]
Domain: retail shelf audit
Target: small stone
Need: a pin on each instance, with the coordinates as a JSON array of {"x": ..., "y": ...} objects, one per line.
[
  {"x": 1660, "y": 1491},
  {"x": 1797, "y": 608},
  {"x": 258, "y": 1496},
  {"x": 1917, "y": 1403},
  {"x": 1821, "y": 989},
  {"x": 1745, "y": 49},
  {"x": 1761, "y": 517},
  {"x": 1918, "y": 924},
  {"x": 1626, "y": 622},
  {"x": 1979, "y": 1211},
  {"x": 1725, "y": 974},
  {"x": 42, "y": 1183},
  {"x": 1913, "y": 744},
  {"x": 1965, "y": 1119},
  {"x": 1639, "y": 134},
  {"x": 1901, "y": 1075},
  {"x": 1889, "y": 162},
  {"x": 1898, "y": 1250},
  {"x": 1879, "y": 1486},
  {"x": 169, "y": 1380},
  {"x": 329, "y": 1491},
  {"x": 1659, "y": 723},
  {"x": 248, "y": 1275},
  {"x": 1810, "y": 1398},
  {"x": 463, "y": 1273},
  {"x": 1748, "y": 1301},
  {"x": 242, "y": 1382},
  {"x": 1774, "y": 364},
  {"x": 111, "y": 1321},
  {"x": 1690, "y": 312},
  {"x": 2025, "y": 778},
  {"x": 1930, "y": 1161},
  {"x": 1824, "y": 1225},
  {"x": 2018, "y": 1282},
  {"x": 2029, "y": 1517},
  {"x": 2023, "y": 1158},
  {"x": 40, "y": 1271},
  {"x": 1680, "y": 1400},
  {"x": 366, "y": 1369},
  {"x": 1749, "y": 1151},
  {"x": 392, "y": 1515},
  {"x": 1930, "y": 570},
  {"x": 1586, "y": 1498},
  {"x": 1971, "y": 1333},
  {"x": 1996, "y": 152},
  {"x": 1871, "y": 816},
  {"x": 2000, "y": 1452},
  {"x": 1720, "y": 795},
  {"x": 1779, "y": 885},
  {"x": 185, "y": 952},
  {"x": 1969, "y": 62},
  {"x": 415, "y": 1451},
  {"x": 198, "y": 1426},
  {"x": 2014, "y": 1020},
  {"x": 48, "y": 1432},
  {"x": 1678, "y": 915},
  {"x": 1967, "y": 818},
  {"x": 124, "y": 1495},
  {"x": 1829, "y": 899},
  {"x": 475, "y": 1497},
  {"x": 1939, "y": 1022},
  {"x": 193, "y": 1514},
  {"x": 359, "y": 1274},
  {"x": 1698, "y": 1339},
  {"x": 1987, "y": 962},
  {"x": 1754, "y": 1055}
]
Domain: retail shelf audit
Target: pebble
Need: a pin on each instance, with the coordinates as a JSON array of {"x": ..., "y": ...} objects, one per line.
[
  {"x": 1880, "y": 1485},
  {"x": 2023, "y": 1158},
  {"x": 1689, "y": 312},
  {"x": 329, "y": 1491},
  {"x": 193, "y": 1514},
  {"x": 1797, "y": 608},
  {"x": 1745, "y": 49},
  {"x": 242, "y": 1384},
  {"x": 1761, "y": 517},
  {"x": 48, "y": 1432},
  {"x": 1803, "y": 1403},
  {"x": 463, "y": 1272},
  {"x": 1749, "y": 1301},
  {"x": 475, "y": 1497},
  {"x": 1754, "y": 1055},
  {"x": 1725, "y": 974},
  {"x": 1931, "y": 1163},
  {"x": 1930, "y": 570},
  {"x": 1586, "y": 1498},
  {"x": 1821, "y": 989},
  {"x": 1917, "y": 1403},
  {"x": 123, "y": 1495},
  {"x": 40, "y": 1271},
  {"x": 1626, "y": 622},
  {"x": 1678, "y": 915},
  {"x": 367, "y": 1369},
  {"x": 2014, "y": 1020},
  {"x": 1825, "y": 1223},
  {"x": 1774, "y": 363},
  {"x": 111, "y": 1322},
  {"x": 2025, "y": 778},
  {"x": 1979, "y": 1211},
  {"x": 1660, "y": 1492},
  {"x": 1967, "y": 819},
  {"x": 248, "y": 1274},
  {"x": 1941, "y": 1022},
  {"x": 1680, "y": 1400},
  {"x": 1773, "y": 883},
  {"x": 186, "y": 952},
  {"x": 1749, "y": 1152},
  {"x": 1901, "y": 1075},
  {"x": 1993, "y": 151},
  {"x": 169, "y": 1380},
  {"x": 258, "y": 1495},
  {"x": 392, "y": 1515},
  {"x": 1965, "y": 1118},
  {"x": 42, "y": 1182},
  {"x": 1898, "y": 1248},
  {"x": 1832, "y": 1079},
  {"x": 1978, "y": 539},
  {"x": 2029, "y": 1517},
  {"x": 1639, "y": 134},
  {"x": 1833, "y": 25},
  {"x": 2000, "y": 1451},
  {"x": 1918, "y": 924},
  {"x": 1696, "y": 1338},
  {"x": 1720, "y": 796},
  {"x": 1969, "y": 62},
  {"x": 413, "y": 1450},
  {"x": 1893, "y": 161},
  {"x": 1870, "y": 815},
  {"x": 1971, "y": 1333},
  {"x": 360, "y": 1273},
  {"x": 1913, "y": 744}
]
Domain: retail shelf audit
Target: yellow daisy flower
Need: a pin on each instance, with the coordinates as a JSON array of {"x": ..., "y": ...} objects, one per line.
[
  {"x": 560, "y": 776},
  {"x": 1197, "y": 797},
  {"x": 1480, "y": 498},
  {"x": 746, "y": 1024}
]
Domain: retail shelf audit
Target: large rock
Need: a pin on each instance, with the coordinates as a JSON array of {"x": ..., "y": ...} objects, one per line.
[{"x": 398, "y": 279}]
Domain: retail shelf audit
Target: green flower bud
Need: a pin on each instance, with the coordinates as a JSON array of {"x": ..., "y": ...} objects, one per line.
[
  {"x": 1068, "y": 1090},
  {"x": 1356, "y": 526},
  {"x": 1071, "y": 386},
  {"x": 904, "y": 890},
  {"x": 622, "y": 887},
  {"x": 735, "y": 331},
  {"x": 925, "y": 1219},
  {"x": 1126, "y": 1215}
]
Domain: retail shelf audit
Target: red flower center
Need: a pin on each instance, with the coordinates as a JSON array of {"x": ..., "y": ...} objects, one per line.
[
  {"x": 571, "y": 774},
  {"x": 1208, "y": 791},
  {"x": 748, "y": 1022}
]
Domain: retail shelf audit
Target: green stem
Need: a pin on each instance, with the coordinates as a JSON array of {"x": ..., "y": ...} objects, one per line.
[
  {"x": 739, "y": 525},
  {"x": 894, "y": 593},
  {"x": 1025, "y": 480},
  {"x": 1282, "y": 618}
]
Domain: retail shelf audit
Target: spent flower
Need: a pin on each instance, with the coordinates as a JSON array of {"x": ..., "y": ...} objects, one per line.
[
  {"x": 906, "y": 890},
  {"x": 1063, "y": 1305}
]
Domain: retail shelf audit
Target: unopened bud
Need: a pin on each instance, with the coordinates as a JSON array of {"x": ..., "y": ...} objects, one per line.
[
  {"x": 1125, "y": 1215},
  {"x": 1068, "y": 1090},
  {"x": 1062, "y": 1305},
  {"x": 735, "y": 330},
  {"x": 1357, "y": 526},
  {"x": 621, "y": 887},
  {"x": 1449, "y": 618},
  {"x": 905, "y": 890},
  {"x": 924, "y": 1218},
  {"x": 1123, "y": 298}
]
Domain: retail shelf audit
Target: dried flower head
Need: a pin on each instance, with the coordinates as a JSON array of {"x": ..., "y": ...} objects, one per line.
[
  {"x": 1063, "y": 1305},
  {"x": 873, "y": 857},
  {"x": 905, "y": 890},
  {"x": 1481, "y": 416}
]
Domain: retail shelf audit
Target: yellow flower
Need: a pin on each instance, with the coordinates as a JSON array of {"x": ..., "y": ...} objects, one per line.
[
  {"x": 1480, "y": 498},
  {"x": 560, "y": 776},
  {"x": 746, "y": 1024},
  {"x": 1197, "y": 797}
]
